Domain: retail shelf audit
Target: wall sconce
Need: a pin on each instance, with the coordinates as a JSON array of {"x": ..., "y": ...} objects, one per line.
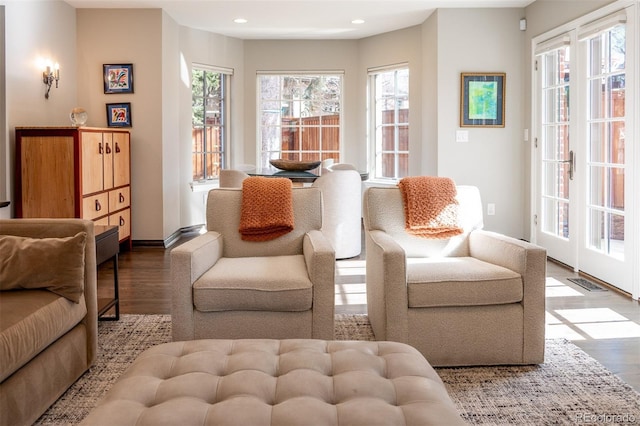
[{"x": 49, "y": 76}]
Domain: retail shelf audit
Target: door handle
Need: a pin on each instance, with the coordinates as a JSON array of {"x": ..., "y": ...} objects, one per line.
[{"x": 571, "y": 161}]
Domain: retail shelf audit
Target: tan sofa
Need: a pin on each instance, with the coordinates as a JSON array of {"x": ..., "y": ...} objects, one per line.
[
  {"x": 47, "y": 340},
  {"x": 474, "y": 299}
]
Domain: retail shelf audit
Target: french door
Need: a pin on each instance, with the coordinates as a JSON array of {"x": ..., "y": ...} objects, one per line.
[{"x": 582, "y": 142}]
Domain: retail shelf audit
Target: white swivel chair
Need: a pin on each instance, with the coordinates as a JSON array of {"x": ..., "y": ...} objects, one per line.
[
  {"x": 341, "y": 188},
  {"x": 231, "y": 178}
]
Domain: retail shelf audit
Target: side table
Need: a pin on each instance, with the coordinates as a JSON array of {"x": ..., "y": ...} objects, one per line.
[{"x": 107, "y": 248}]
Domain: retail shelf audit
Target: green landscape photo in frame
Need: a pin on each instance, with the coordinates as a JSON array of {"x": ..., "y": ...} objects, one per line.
[{"x": 482, "y": 99}]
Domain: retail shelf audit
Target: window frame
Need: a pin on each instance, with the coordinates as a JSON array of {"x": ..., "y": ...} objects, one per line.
[
  {"x": 374, "y": 138},
  {"x": 262, "y": 156},
  {"x": 224, "y": 122}
]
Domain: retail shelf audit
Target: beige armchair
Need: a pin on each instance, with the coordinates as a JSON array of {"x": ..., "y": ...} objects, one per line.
[
  {"x": 225, "y": 287},
  {"x": 474, "y": 299}
]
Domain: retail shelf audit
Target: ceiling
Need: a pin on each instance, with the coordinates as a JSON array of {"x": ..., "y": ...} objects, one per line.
[{"x": 298, "y": 19}]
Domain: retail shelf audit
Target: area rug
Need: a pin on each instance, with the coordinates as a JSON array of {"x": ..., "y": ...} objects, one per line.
[{"x": 569, "y": 388}]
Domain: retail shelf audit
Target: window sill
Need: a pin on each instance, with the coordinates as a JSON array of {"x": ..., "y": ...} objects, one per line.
[{"x": 204, "y": 186}]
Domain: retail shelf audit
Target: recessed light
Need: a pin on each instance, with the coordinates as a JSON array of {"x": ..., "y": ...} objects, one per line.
[
  {"x": 358, "y": 21},
  {"x": 240, "y": 21}
]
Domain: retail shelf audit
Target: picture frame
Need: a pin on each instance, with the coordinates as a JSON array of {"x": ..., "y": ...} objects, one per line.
[
  {"x": 118, "y": 78},
  {"x": 119, "y": 115},
  {"x": 482, "y": 99}
]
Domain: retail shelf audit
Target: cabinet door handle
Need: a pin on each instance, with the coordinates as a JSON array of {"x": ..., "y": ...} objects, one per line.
[
  {"x": 98, "y": 206},
  {"x": 121, "y": 197},
  {"x": 121, "y": 221},
  {"x": 108, "y": 148},
  {"x": 100, "y": 148},
  {"x": 117, "y": 148}
]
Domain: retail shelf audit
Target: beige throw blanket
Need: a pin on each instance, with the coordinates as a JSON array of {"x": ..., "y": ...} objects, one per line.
[
  {"x": 430, "y": 206},
  {"x": 267, "y": 208}
]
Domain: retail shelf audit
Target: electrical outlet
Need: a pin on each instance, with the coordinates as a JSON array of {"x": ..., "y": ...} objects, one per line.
[
  {"x": 462, "y": 136},
  {"x": 491, "y": 209}
]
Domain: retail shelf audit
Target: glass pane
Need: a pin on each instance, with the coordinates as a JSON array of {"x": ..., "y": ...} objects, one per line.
[
  {"x": 597, "y": 186},
  {"x": 595, "y": 53},
  {"x": 388, "y": 165},
  {"x": 403, "y": 138},
  {"x": 617, "y": 142},
  {"x": 388, "y": 138},
  {"x": 616, "y": 188},
  {"x": 550, "y": 179},
  {"x": 197, "y": 166},
  {"x": 597, "y": 96},
  {"x": 550, "y": 143},
  {"x": 595, "y": 229},
  {"x": 563, "y": 143},
  {"x": 330, "y": 138},
  {"x": 617, "y": 41},
  {"x": 597, "y": 138},
  {"x": 403, "y": 166},
  {"x": 563, "y": 219},
  {"x": 562, "y": 95},
  {"x": 269, "y": 87},
  {"x": 616, "y": 98},
  {"x": 197, "y": 82},
  {"x": 549, "y": 106},
  {"x": 616, "y": 235},
  {"x": 549, "y": 76}
]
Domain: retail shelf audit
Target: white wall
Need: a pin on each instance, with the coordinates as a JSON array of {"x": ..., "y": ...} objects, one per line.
[
  {"x": 205, "y": 48},
  {"x": 113, "y": 36},
  {"x": 34, "y": 31},
  {"x": 493, "y": 158},
  {"x": 171, "y": 141}
]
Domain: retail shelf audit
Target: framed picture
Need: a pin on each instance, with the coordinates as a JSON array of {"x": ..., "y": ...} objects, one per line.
[
  {"x": 482, "y": 99},
  {"x": 118, "y": 78},
  {"x": 119, "y": 115}
]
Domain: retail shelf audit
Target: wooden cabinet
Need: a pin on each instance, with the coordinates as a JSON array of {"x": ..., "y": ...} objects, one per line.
[{"x": 75, "y": 172}]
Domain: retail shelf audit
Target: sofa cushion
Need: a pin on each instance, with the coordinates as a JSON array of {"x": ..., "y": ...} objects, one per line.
[
  {"x": 31, "y": 321},
  {"x": 460, "y": 281},
  {"x": 55, "y": 264},
  {"x": 275, "y": 283}
]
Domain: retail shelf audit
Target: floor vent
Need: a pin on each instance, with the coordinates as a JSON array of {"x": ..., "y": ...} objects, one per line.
[{"x": 586, "y": 284}]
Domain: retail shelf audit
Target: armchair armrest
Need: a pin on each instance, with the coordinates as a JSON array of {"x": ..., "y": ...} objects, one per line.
[
  {"x": 530, "y": 261},
  {"x": 188, "y": 262},
  {"x": 387, "y": 299},
  {"x": 508, "y": 252},
  {"x": 319, "y": 256}
]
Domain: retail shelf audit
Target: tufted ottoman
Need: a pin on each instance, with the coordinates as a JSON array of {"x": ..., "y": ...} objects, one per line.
[{"x": 277, "y": 382}]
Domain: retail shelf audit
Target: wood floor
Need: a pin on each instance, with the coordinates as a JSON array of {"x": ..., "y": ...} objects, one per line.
[{"x": 605, "y": 324}]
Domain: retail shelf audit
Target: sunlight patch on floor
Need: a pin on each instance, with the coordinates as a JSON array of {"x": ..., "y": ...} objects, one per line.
[
  {"x": 351, "y": 294},
  {"x": 555, "y": 288},
  {"x": 590, "y": 323},
  {"x": 347, "y": 268}
]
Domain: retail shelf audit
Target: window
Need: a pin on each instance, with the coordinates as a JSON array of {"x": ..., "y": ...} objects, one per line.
[
  {"x": 209, "y": 88},
  {"x": 299, "y": 117},
  {"x": 389, "y": 96}
]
